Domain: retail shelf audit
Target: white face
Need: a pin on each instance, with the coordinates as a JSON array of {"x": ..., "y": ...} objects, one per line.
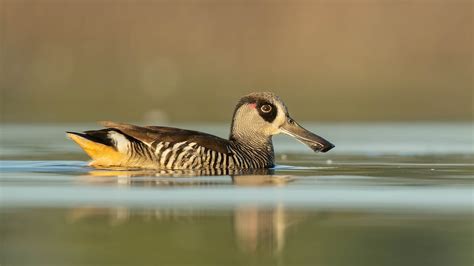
[
  {"x": 261, "y": 115},
  {"x": 264, "y": 116}
]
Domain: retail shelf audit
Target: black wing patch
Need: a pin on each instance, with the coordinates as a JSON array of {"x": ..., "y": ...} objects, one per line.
[{"x": 99, "y": 136}]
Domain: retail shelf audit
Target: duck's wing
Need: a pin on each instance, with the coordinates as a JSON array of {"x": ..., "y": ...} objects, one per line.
[{"x": 156, "y": 134}]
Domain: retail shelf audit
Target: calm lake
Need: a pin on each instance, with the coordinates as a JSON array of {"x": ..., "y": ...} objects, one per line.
[{"x": 388, "y": 194}]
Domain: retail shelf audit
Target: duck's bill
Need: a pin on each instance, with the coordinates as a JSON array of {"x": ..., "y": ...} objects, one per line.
[{"x": 315, "y": 142}]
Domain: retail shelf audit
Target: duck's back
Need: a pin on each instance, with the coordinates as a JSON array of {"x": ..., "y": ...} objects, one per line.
[{"x": 125, "y": 145}]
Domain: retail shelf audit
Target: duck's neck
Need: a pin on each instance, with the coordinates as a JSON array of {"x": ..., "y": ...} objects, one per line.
[{"x": 255, "y": 148}]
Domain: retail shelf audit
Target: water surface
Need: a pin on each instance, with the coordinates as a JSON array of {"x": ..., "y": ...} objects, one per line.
[{"x": 388, "y": 194}]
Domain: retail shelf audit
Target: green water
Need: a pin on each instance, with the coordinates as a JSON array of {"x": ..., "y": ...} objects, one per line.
[{"x": 389, "y": 194}]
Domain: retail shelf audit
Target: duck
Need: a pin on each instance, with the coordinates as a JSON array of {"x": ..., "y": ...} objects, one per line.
[{"x": 256, "y": 119}]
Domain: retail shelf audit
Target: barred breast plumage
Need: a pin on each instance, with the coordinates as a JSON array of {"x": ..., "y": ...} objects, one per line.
[{"x": 256, "y": 118}]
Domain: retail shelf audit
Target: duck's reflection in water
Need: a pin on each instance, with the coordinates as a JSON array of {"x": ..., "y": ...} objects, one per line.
[
  {"x": 206, "y": 177},
  {"x": 263, "y": 229},
  {"x": 257, "y": 229}
]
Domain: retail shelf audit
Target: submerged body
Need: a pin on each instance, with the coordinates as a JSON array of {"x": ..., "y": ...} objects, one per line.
[{"x": 257, "y": 117}]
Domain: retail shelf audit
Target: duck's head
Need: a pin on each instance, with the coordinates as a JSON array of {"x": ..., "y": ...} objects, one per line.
[{"x": 260, "y": 115}]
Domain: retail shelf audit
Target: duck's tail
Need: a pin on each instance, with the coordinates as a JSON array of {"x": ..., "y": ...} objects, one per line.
[{"x": 103, "y": 146}]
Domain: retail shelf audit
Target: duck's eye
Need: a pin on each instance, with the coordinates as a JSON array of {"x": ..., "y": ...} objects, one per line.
[{"x": 266, "y": 108}]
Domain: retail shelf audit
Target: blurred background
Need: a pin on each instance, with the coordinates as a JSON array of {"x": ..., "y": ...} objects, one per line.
[
  {"x": 180, "y": 61},
  {"x": 389, "y": 82}
]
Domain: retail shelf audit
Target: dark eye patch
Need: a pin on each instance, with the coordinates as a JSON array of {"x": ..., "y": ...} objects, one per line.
[{"x": 270, "y": 116}]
